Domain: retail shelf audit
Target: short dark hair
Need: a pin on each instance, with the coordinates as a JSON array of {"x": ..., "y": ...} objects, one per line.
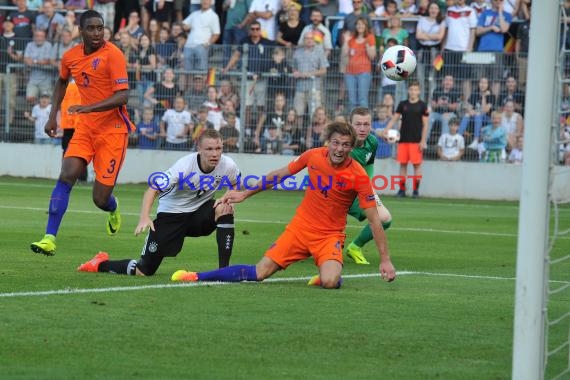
[
  {"x": 90, "y": 13},
  {"x": 453, "y": 121},
  {"x": 361, "y": 111},
  {"x": 342, "y": 129}
]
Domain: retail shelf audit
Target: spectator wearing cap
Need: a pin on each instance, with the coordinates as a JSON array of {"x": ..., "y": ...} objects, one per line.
[{"x": 37, "y": 58}]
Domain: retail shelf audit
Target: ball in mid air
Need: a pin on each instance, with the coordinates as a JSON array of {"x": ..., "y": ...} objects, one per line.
[{"x": 398, "y": 62}]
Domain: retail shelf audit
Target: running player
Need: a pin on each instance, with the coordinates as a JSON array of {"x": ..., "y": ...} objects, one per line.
[
  {"x": 100, "y": 71},
  {"x": 184, "y": 209},
  {"x": 364, "y": 153},
  {"x": 318, "y": 227}
]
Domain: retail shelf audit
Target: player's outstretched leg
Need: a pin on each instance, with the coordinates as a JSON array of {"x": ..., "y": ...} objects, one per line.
[{"x": 233, "y": 273}]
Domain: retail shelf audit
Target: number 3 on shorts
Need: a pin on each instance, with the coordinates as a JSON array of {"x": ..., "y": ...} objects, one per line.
[{"x": 111, "y": 168}]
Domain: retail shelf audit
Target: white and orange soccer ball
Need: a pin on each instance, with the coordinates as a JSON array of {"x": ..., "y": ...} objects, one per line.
[
  {"x": 393, "y": 136},
  {"x": 398, "y": 62}
]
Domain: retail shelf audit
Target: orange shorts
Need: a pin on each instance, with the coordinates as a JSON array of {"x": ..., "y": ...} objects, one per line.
[
  {"x": 409, "y": 152},
  {"x": 297, "y": 243},
  {"x": 106, "y": 150}
]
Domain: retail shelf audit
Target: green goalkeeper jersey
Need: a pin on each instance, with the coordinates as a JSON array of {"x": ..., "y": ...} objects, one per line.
[{"x": 365, "y": 154}]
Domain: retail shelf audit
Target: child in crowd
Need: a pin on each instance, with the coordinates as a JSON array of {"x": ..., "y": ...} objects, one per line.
[
  {"x": 229, "y": 132},
  {"x": 148, "y": 130},
  {"x": 276, "y": 117},
  {"x": 516, "y": 155},
  {"x": 40, "y": 116},
  {"x": 494, "y": 140},
  {"x": 451, "y": 146},
  {"x": 201, "y": 123},
  {"x": 291, "y": 135},
  {"x": 279, "y": 80},
  {"x": 384, "y": 149},
  {"x": 176, "y": 126},
  {"x": 214, "y": 110}
]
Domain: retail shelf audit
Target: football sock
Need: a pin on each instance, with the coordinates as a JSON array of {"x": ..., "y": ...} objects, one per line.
[
  {"x": 365, "y": 234},
  {"x": 126, "y": 266},
  {"x": 234, "y": 273},
  {"x": 225, "y": 238},
  {"x": 417, "y": 185},
  {"x": 111, "y": 204},
  {"x": 57, "y": 206}
]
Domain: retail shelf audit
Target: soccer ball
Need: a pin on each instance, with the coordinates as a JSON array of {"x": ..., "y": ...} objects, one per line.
[
  {"x": 393, "y": 136},
  {"x": 398, "y": 62}
]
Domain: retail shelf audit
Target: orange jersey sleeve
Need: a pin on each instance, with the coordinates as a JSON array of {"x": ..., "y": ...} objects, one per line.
[
  {"x": 328, "y": 195},
  {"x": 98, "y": 76},
  {"x": 72, "y": 96}
]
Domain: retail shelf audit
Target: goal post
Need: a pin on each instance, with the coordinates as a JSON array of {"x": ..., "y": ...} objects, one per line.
[{"x": 532, "y": 244}]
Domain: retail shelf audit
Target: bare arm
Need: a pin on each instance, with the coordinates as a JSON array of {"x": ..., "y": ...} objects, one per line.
[
  {"x": 233, "y": 60},
  {"x": 144, "y": 219},
  {"x": 471, "y": 40},
  {"x": 423, "y": 142},
  {"x": 395, "y": 118}
]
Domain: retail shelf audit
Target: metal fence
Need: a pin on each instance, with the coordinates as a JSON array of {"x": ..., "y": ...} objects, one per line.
[{"x": 256, "y": 84}]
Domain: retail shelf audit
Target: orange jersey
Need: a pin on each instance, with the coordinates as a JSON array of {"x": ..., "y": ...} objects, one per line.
[
  {"x": 98, "y": 76},
  {"x": 328, "y": 197},
  {"x": 69, "y": 121}
]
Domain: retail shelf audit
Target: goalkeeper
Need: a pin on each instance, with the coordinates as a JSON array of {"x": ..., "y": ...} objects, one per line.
[{"x": 364, "y": 152}]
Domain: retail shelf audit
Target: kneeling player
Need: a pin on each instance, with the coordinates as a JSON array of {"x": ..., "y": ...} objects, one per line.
[{"x": 185, "y": 208}]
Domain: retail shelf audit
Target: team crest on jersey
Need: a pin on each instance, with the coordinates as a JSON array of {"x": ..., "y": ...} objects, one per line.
[
  {"x": 95, "y": 63},
  {"x": 152, "y": 247}
]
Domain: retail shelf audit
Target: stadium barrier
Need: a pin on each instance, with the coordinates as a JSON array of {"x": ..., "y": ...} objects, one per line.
[{"x": 279, "y": 79}]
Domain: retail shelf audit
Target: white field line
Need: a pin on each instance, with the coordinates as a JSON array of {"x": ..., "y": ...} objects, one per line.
[
  {"x": 281, "y": 222},
  {"x": 70, "y": 291}
]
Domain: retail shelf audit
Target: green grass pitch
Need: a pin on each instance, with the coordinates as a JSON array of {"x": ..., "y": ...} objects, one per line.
[{"x": 449, "y": 314}]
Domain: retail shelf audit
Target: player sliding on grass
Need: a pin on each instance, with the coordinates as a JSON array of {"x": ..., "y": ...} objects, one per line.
[
  {"x": 364, "y": 153},
  {"x": 318, "y": 227},
  {"x": 185, "y": 208},
  {"x": 100, "y": 71}
]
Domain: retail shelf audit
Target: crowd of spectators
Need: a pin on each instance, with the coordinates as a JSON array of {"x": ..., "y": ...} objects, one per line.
[{"x": 286, "y": 67}]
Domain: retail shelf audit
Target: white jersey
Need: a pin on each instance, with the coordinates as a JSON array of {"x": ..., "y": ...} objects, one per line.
[
  {"x": 175, "y": 124},
  {"x": 188, "y": 187},
  {"x": 41, "y": 116},
  {"x": 460, "y": 21},
  {"x": 451, "y": 144}
]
